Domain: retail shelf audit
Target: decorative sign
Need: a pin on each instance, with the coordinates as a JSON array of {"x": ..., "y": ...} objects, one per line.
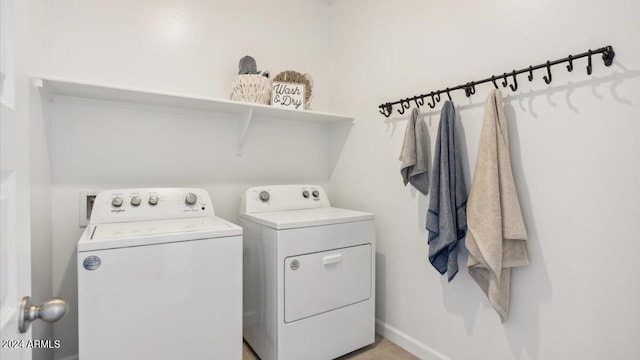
[{"x": 287, "y": 95}]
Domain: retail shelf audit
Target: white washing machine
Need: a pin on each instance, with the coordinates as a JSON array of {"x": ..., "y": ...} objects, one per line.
[
  {"x": 159, "y": 277},
  {"x": 309, "y": 284}
]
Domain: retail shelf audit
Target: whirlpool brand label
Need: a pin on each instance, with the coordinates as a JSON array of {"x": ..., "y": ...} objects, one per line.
[{"x": 91, "y": 262}]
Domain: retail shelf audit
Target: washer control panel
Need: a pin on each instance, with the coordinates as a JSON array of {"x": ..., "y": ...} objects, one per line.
[
  {"x": 283, "y": 197},
  {"x": 123, "y": 205}
]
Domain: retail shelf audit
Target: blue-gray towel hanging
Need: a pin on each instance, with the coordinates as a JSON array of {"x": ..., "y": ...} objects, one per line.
[{"x": 446, "y": 216}]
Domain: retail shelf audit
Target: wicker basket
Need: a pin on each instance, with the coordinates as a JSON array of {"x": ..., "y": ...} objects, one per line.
[{"x": 251, "y": 88}]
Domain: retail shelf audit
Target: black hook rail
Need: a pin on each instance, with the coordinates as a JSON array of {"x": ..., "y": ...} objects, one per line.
[{"x": 470, "y": 88}]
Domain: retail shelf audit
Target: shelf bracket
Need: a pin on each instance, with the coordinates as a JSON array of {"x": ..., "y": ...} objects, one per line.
[{"x": 244, "y": 127}]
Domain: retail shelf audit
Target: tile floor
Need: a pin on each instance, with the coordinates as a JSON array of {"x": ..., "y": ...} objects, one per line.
[{"x": 381, "y": 349}]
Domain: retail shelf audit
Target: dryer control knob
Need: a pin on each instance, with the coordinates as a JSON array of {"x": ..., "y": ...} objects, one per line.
[
  {"x": 190, "y": 199},
  {"x": 135, "y": 201},
  {"x": 117, "y": 201},
  {"x": 153, "y": 200},
  {"x": 305, "y": 194},
  {"x": 316, "y": 193},
  {"x": 264, "y": 196}
]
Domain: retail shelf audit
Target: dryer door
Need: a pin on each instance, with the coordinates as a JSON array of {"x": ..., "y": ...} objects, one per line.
[{"x": 323, "y": 281}]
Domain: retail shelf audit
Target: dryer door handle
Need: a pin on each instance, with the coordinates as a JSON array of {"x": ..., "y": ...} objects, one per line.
[{"x": 332, "y": 259}]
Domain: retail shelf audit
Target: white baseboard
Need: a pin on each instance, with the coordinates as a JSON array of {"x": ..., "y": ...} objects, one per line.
[
  {"x": 72, "y": 357},
  {"x": 408, "y": 343}
]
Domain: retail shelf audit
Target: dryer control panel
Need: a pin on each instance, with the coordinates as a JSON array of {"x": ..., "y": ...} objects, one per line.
[
  {"x": 122, "y": 205},
  {"x": 283, "y": 197}
]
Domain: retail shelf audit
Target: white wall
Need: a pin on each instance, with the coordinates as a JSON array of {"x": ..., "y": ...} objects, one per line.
[
  {"x": 575, "y": 153},
  {"x": 575, "y": 146},
  {"x": 188, "y": 47}
]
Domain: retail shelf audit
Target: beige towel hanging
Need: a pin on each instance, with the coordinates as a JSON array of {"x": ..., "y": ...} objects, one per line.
[
  {"x": 496, "y": 232},
  {"x": 413, "y": 156}
]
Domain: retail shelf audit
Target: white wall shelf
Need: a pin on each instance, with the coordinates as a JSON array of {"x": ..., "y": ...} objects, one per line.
[{"x": 246, "y": 112}]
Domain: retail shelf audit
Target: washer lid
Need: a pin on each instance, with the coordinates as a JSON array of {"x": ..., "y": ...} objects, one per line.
[
  {"x": 291, "y": 219},
  {"x": 138, "y": 233}
]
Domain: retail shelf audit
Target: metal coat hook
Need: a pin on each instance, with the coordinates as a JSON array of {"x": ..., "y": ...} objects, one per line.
[
  {"x": 404, "y": 105},
  {"x": 608, "y": 55},
  {"x": 570, "y": 66},
  {"x": 547, "y": 78},
  {"x": 385, "y": 109},
  {"x": 470, "y": 87},
  {"x": 514, "y": 86},
  {"x": 432, "y": 104}
]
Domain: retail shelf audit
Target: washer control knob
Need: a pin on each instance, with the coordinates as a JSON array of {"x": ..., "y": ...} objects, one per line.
[
  {"x": 316, "y": 193},
  {"x": 190, "y": 199},
  {"x": 153, "y": 200},
  {"x": 305, "y": 194},
  {"x": 117, "y": 201},
  {"x": 135, "y": 201},
  {"x": 264, "y": 196}
]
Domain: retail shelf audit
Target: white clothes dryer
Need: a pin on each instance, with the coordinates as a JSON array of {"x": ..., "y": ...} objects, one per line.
[
  {"x": 159, "y": 277},
  {"x": 309, "y": 279}
]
